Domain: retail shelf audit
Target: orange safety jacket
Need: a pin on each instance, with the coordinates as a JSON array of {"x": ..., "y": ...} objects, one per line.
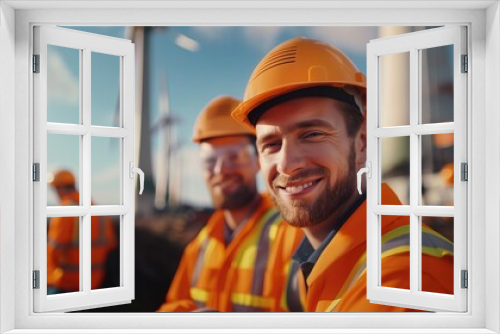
[
  {"x": 63, "y": 251},
  {"x": 249, "y": 274},
  {"x": 337, "y": 282}
]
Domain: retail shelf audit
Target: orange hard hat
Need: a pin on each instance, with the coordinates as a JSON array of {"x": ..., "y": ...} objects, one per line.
[
  {"x": 443, "y": 140},
  {"x": 298, "y": 64},
  {"x": 215, "y": 120},
  {"x": 63, "y": 178}
]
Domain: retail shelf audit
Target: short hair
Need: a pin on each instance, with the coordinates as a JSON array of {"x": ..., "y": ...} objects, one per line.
[{"x": 352, "y": 117}]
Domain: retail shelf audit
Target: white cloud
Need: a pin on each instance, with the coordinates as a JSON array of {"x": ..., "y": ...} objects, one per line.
[
  {"x": 187, "y": 43},
  {"x": 62, "y": 84},
  {"x": 346, "y": 38}
]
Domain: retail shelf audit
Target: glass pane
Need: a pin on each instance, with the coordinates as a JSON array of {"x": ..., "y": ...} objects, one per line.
[
  {"x": 106, "y": 171},
  {"x": 437, "y": 84},
  {"x": 396, "y": 245},
  {"x": 395, "y": 89},
  {"x": 105, "y": 89},
  {"x": 63, "y": 85},
  {"x": 437, "y": 243},
  {"x": 63, "y": 166},
  {"x": 437, "y": 169},
  {"x": 63, "y": 255},
  {"x": 395, "y": 166},
  {"x": 105, "y": 251}
]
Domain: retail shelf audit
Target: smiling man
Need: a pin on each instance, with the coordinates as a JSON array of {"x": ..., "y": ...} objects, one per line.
[
  {"x": 234, "y": 264},
  {"x": 306, "y": 102}
]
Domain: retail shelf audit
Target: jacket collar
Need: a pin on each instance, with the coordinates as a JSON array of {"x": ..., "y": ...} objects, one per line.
[
  {"x": 351, "y": 235},
  {"x": 307, "y": 256}
]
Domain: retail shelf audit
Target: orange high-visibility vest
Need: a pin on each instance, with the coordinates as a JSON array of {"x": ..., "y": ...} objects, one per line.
[
  {"x": 249, "y": 274},
  {"x": 63, "y": 253},
  {"x": 337, "y": 282}
]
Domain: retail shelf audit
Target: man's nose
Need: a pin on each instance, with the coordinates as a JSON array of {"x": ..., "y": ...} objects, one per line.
[{"x": 290, "y": 159}]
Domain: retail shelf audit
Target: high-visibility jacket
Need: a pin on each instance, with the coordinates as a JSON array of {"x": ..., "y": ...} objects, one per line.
[
  {"x": 337, "y": 282},
  {"x": 249, "y": 274},
  {"x": 63, "y": 253}
]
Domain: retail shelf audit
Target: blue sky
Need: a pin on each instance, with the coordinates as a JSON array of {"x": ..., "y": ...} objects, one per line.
[{"x": 221, "y": 64}]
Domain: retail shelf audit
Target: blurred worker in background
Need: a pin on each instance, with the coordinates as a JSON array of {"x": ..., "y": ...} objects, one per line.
[
  {"x": 230, "y": 265},
  {"x": 63, "y": 242},
  {"x": 306, "y": 101}
]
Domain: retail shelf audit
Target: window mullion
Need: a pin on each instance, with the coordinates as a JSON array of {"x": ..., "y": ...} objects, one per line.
[
  {"x": 127, "y": 114},
  {"x": 414, "y": 168},
  {"x": 85, "y": 163}
]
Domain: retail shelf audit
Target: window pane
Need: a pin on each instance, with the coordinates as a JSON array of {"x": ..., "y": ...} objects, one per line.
[
  {"x": 63, "y": 158},
  {"x": 63, "y": 255},
  {"x": 437, "y": 169},
  {"x": 395, "y": 165},
  {"x": 63, "y": 85},
  {"x": 105, "y": 251},
  {"x": 437, "y": 243},
  {"x": 396, "y": 244},
  {"x": 395, "y": 89},
  {"x": 105, "y": 89},
  {"x": 106, "y": 170},
  {"x": 437, "y": 84}
]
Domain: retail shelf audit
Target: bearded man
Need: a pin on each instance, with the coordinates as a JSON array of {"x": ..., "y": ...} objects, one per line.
[
  {"x": 306, "y": 102},
  {"x": 234, "y": 264}
]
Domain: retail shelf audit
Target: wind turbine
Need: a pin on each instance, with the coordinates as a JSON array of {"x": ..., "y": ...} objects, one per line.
[
  {"x": 164, "y": 165},
  {"x": 141, "y": 36},
  {"x": 168, "y": 172}
]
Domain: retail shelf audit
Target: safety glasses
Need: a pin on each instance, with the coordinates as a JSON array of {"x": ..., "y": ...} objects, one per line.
[{"x": 227, "y": 156}]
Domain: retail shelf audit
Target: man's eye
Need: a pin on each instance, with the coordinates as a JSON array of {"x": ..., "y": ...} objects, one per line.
[
  {"x": 270, "y": 147},
  {"x": 312, "y": 134}
]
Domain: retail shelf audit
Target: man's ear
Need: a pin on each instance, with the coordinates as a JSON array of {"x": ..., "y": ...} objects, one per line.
[{"x": 360, "y": 146}]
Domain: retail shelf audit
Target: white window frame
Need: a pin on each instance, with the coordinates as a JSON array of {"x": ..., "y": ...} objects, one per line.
[
  {"x": 86, "y": 44},
  {"x": 413, "y": 44},
  {"x": 483, "y": 20}
]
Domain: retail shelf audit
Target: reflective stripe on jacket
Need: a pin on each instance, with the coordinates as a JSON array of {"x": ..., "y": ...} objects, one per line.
[
  {"x": 63, "y": 249},
  {"x": 239, "y": 277},
  {"x": 337, "y": 282}
]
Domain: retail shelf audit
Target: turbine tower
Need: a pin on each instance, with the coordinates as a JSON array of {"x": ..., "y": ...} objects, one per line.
[{"x": 160, "y": 191}]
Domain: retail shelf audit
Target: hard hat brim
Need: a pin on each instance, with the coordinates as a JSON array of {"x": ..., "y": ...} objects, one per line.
[{"x": 244, "y": 109}]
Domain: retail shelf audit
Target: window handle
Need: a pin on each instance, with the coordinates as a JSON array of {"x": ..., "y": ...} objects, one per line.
[
  {"x": 368, "y": 171},
  {"x": 139, "y": 171}
]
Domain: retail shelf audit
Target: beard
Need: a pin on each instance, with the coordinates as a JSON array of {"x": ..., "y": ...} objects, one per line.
[
  {"x": 236, "y": 199},
  {"x": 302, "y": 214}
]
